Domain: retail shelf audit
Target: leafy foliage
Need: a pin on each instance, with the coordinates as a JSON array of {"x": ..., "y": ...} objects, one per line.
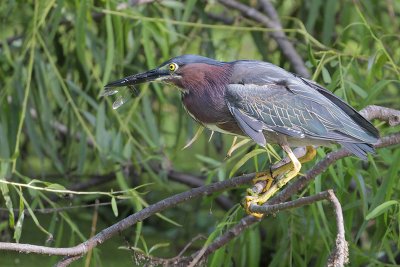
[{"x": 57, "y": 133}]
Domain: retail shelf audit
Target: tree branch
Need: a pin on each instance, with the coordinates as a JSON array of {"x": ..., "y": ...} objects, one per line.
[
  {"x": 279, "y": 36},
  {"x": 76, "y": 252},
  {"x": 339, "y": 255},
  {"x": 301, "y": 182},
  {"x": 390, "y": 115},
  {"x": 107, "y": 233}
]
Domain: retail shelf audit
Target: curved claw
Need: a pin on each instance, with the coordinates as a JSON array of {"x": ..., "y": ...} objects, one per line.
[
  {"x": 289, "y": 171},
  {"x": 249, "y": 200}
]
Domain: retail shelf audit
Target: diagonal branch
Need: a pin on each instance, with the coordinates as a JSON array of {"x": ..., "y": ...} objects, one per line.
[
  {"x": 370, "y": 112},
  {"x": 73, "y": 253},
  {"x": 291, "y": 189},
  {"x": 107, "y": 233},
  {"x": 279, "y": 36}
]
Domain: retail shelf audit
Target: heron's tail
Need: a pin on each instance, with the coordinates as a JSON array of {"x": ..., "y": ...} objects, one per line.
[{"x": 359, "y": 149}]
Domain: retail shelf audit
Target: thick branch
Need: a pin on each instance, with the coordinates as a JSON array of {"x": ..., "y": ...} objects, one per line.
[
  {"x": 339, "y": 255},
  {"x": 300, "y": 183},
  {"x": 172, "y": 201},
  {"x": 279, "y": 36},
  {"x": 107, "y": 233},
  {"x": 194, "y": 181},
  {"x": 390, "y": 115}
]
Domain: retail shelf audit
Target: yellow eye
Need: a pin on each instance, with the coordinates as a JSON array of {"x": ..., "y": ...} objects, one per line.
[{"x": 173, "y": 67}]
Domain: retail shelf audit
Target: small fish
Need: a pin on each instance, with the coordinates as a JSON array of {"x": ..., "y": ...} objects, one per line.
[{"x": 124, "y": 94}]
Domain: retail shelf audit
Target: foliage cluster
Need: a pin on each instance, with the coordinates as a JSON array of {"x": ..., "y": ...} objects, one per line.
[{"x": 57, "y": 133}]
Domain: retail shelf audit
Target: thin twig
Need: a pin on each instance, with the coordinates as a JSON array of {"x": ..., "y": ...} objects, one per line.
[
  {"x": 179, "y": 260},
  {"x": 61, "y": 209}
]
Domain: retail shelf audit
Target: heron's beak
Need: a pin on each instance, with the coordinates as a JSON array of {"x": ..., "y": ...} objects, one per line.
[{"x": 148, "y": 76}]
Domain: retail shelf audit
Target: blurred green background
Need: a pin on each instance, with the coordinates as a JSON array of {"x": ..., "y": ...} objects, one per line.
[{"x": 57, "y": 133}]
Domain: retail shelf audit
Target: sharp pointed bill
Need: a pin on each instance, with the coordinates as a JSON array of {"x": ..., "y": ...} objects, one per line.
[
  {"x": 124, "y": 94},
  {"x": 144, "y": 77}
]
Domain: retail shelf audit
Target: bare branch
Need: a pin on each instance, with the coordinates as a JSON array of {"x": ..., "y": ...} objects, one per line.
[
  {"x": 340, "y": 255},
  {"x": 107, "y": 233},
  {"x": 269, "y": 209},
  {"x": 269, "y": 9},
  {"x": 194, "y": 181},
  {"x": 76, "y": 252},
  {"x": 301, "y": 182},
  {"x": 279, "y": 36},
  {"x": 389, "y": 115}
]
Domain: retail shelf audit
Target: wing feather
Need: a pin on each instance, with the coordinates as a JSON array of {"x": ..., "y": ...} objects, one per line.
[
  {"x": 249, "y": 125},
  {"x": 283, "y": 111}
]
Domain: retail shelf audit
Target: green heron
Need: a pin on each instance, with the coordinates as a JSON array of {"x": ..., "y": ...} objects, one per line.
[{"x": 263, "y": 102}]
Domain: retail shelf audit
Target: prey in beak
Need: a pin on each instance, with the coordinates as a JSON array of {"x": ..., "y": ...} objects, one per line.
[{"x": 125, "y": 87}]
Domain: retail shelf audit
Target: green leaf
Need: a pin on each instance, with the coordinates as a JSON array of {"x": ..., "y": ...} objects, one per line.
[
  {"x": 101, "y": 133},
  {"x": 56, "y": 186},
  {"x": 80, "y": 35},
  {"x": 357, "y": 89},
  {"x": 244, "y": 159},
  {"x": 110, "y": 47},
  {"x": 380, "y": 209},
  {"x": 33, "y": 216},
  {"x": 18, "y": 227},
  {"x": 172, "y": 4},
  {"x": 376, "y": 90},
  {"x": 5, "y": 192},
  {"x": 114, "y": 206},
  {"x": 328, "y": 25},
  {"x": 311, "y": 56},
  {"x": 377, "y": 68},
  {"x": 157, "y": 246},
  {"x": 313, "y": 14},
  {"x": 254, "y": 247},
  {"x": 326, "y": 76},
  {"x": 218, "y": 257}
]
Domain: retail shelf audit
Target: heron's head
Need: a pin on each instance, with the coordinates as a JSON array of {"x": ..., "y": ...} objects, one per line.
[{"x": 188, "y": 72}]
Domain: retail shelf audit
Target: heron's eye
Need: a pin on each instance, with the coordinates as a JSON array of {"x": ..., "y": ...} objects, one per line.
[{"x": 173, "y": 67}]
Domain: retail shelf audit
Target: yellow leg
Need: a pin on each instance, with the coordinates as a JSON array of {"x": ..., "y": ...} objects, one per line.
[{"x": 290, "y": 170}]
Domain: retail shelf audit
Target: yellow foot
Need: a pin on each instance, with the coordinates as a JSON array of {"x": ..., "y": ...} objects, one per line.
[
  {"x": 253, "y": 197},
  {"x": 264, "y": 176},
  {"x": 249, "y": 200},
  {"x": 289, "y": 171}
]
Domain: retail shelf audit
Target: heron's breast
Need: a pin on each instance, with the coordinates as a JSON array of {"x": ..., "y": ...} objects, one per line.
[{"x": 205, "y": 108}]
